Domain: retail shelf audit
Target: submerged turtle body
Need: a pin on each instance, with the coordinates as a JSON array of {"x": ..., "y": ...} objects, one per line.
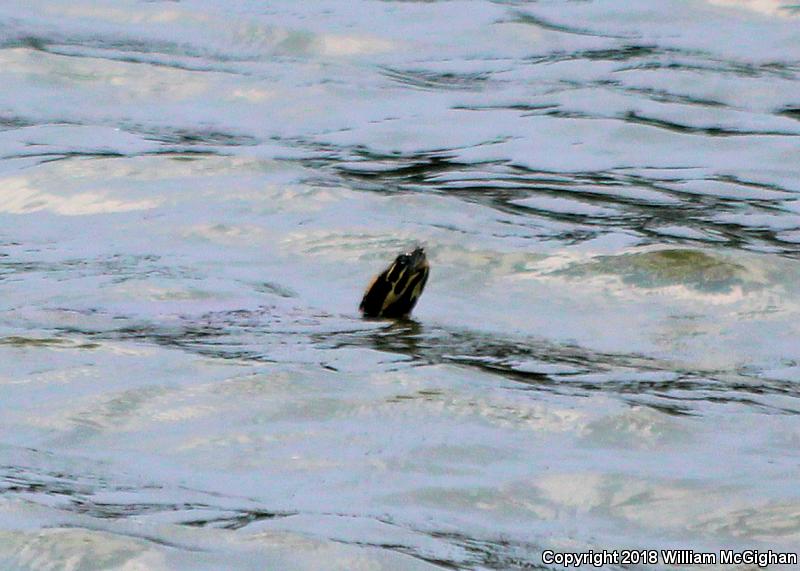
[{"x": 394, "y": 292}]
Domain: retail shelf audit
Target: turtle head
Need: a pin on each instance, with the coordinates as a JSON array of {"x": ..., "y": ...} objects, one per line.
[
  {"x": 395, "y": 291},
  {"x": 415, "y": 260}
]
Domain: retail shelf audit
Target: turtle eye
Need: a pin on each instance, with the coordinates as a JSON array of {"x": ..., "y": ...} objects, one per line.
[{"x": 402, "y": 259}]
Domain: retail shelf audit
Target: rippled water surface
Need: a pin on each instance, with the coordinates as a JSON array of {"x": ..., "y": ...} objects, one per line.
[{"x": 193, "y": 195}]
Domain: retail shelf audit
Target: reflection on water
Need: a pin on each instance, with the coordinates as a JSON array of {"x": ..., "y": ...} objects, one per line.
[
  {"x": 193, "y": 196},
  {"x": 660, "y": 268}
]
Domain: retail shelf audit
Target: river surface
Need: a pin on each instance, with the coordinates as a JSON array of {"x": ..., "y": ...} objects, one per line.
[{"x": 194, "y": 194}]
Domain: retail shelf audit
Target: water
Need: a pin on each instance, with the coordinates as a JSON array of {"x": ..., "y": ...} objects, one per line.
[{"x": 194, "y": 194}]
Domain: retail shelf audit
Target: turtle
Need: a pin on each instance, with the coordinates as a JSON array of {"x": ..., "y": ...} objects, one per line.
[{"x": 394, "y": 292}]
